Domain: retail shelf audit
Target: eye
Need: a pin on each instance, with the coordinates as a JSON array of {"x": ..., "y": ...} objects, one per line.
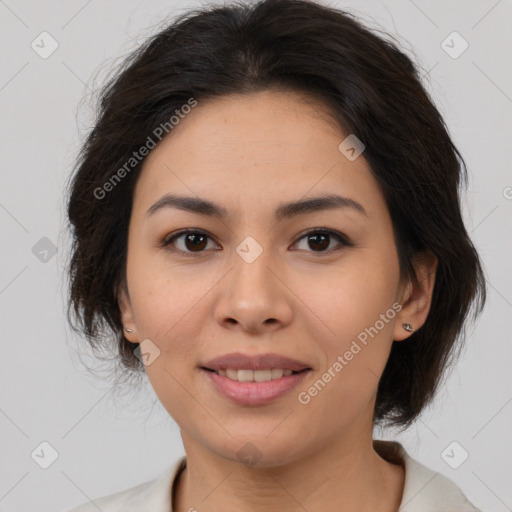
[
  {"x": 320, "y": 239},
  {"x": 196, "y": 241},
  {"x": 191, "y": 241}
]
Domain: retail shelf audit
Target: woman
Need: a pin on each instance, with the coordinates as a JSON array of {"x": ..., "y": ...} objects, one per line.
[{"x": 266, "y": 215}]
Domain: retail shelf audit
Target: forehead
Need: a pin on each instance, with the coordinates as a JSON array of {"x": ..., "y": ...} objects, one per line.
[{"x": 256, "y": 149}]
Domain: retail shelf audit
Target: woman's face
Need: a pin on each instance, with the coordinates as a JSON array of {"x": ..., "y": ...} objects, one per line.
[{"x": 254, "y": 283}]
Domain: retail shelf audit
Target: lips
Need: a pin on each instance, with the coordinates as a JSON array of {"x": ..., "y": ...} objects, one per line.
[
  {"x": 254, "y": 393},
  {"x": 238, "y": 361}
]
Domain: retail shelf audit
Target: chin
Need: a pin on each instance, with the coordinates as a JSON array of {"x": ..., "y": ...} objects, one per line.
[{"x": 259, "y": 451}]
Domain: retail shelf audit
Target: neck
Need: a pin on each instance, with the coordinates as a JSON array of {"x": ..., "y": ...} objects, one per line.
[{"x": 349, "y": 473}]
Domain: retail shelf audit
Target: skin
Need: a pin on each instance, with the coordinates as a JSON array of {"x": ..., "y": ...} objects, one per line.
[{"x": 249, "y": 154}]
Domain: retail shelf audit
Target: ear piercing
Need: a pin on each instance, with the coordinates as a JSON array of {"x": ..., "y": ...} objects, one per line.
[{"x": 407, "y": 327}]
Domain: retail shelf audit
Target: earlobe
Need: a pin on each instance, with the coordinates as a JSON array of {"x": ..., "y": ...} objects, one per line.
[
  {"x": 127, "y": 317},
  {"x": 417, "y": 296}
]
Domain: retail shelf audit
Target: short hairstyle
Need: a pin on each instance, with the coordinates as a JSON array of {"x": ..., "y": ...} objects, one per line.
[{"x": 371, "y": 87}]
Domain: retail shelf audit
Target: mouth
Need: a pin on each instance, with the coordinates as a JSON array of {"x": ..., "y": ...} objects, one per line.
[
  {"x": 248, "y": 375},
  {"x": 254, "y": 387}
]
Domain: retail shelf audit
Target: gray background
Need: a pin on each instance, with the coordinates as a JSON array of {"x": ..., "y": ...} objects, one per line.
[{"x": 105, "y": 444}]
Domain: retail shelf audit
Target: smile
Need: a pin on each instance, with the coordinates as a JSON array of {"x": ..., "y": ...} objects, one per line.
[{"x": 254, "y": 387}]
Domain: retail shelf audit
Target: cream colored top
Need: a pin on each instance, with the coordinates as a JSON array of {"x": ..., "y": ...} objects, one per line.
[{"x": 424, "y": 490}]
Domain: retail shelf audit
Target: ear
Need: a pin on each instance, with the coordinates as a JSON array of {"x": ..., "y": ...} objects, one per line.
[
  {"x": 416, "y": 297},
  {"x": 127, "y": 317}
]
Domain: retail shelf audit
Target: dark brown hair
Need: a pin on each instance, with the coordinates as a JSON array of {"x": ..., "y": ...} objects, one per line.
[{"x": 371, "y": 87}]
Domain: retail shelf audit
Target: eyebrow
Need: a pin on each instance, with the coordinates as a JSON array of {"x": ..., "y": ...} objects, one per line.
[{"x": 284, "y": 211}]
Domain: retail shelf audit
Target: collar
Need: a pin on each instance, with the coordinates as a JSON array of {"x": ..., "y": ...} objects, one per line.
[{"x": 424, "y": 490}]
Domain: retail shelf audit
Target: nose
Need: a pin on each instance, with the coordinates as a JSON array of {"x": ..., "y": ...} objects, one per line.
[{"x": 254, "y": 296}]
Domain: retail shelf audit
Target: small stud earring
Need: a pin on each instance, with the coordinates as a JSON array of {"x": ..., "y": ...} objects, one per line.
[
  {"x": 128, "y": 330},
  {"x": 408, "y": 327}
]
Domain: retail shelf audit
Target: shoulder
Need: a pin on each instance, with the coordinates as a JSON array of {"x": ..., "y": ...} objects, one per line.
[
  {"x": 154, "y": 494},
  {"x": 426, "y": 490}
]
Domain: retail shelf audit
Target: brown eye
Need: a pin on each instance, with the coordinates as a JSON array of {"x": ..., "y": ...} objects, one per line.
[
  {"x": 195, "y": 241},
  {"x": 188, "y": 242},
  {"x": 320, "y": 241}
]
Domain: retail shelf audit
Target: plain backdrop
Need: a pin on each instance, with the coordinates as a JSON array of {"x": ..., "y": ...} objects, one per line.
[{"x": 94, "y": 444}]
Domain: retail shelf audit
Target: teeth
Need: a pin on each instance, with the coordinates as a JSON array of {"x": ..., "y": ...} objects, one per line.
[{"x": 253, "y": 375}]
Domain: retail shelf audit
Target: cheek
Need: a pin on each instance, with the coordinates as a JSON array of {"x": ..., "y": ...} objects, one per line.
[
  {"x": 353, "y": 296},
  {"x": 357, "y": 325},
  {"x": 171, "y": 308},
  {"x": 354, "y": 303},
  {"x": 160, "y": 294},
  {"x": 161, "y": 309}
]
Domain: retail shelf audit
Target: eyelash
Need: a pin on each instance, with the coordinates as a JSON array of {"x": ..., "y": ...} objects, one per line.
[{"x": 340, "y": 237}]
